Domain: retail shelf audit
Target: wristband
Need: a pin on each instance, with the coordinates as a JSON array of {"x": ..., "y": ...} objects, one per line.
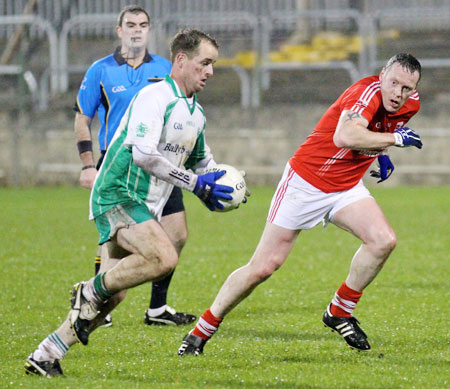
[
  {"x": 84, "y": 145},
  {"x": 398, "y": 140},
  {"x": 88, "y": 167}
]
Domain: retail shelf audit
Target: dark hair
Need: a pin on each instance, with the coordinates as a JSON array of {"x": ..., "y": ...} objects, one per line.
[
  {"x": 407, "y": 61},
  {"x": 134, "y": 9},
  {"x": 187, "y": 41}
]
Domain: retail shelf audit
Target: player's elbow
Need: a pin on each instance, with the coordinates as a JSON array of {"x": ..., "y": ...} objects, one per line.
[
  {"x": 145, "y": 158},
  {"x": 341, "y": 140},
  {"x": 138, "y": 158}
]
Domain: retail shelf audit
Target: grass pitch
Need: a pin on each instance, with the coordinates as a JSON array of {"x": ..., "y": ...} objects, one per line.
[{"x": 274, "y": 339}]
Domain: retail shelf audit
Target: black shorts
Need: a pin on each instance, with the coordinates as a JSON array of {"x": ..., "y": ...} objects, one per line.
[
  {"x": 100, "y": 160},
  {"x": 174, "y": 202}
]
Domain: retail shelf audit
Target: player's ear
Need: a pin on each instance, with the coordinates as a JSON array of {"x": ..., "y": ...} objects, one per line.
[
  {"x": 181, "y": 58},
  {"x": 119, "y": 31}
]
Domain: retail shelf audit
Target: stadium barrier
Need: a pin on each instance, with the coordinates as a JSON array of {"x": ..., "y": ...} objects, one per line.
[
  {"x": 48, "y": 156},
  {"x": 255, "y": 41}
]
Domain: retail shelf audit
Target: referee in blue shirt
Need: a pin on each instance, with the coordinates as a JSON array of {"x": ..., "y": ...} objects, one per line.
[{"x": 107, "y": 89}]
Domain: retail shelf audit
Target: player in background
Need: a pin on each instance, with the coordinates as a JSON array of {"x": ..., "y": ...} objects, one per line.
[
  {"x": 107, "y": 89},
  {"x": 322, "y": 182},
  {"x": 161, "y": 135}
]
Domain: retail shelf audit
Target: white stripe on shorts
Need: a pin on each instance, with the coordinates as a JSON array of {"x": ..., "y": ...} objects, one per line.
[{"x": 279, "y": 195}]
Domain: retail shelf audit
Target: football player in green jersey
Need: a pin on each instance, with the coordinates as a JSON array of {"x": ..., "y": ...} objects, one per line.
[{"x": 160, "y": 137}]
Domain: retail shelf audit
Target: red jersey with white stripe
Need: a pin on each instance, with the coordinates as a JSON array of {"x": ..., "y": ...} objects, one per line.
[{"x": 333, "y": 169}]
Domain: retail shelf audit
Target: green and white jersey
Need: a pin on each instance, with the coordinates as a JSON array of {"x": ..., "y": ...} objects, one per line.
[{"x": 161, "y": 121}]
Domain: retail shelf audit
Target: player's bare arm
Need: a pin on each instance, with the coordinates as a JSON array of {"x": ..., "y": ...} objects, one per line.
[
  {"x": 84, "y": 143},
  {"x": 352, "y": 133}
]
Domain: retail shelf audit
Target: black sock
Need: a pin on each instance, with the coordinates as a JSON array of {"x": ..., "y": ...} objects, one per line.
[
  {"x": 159, "y": 292},
  {"x": 98, "y": 261}
]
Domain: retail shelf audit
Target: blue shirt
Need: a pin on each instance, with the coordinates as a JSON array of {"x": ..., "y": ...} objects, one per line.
[{"x": 109, "y": 86}]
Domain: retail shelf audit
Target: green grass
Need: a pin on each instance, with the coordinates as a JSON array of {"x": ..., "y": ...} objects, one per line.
[{"x": 274, "y": 339}]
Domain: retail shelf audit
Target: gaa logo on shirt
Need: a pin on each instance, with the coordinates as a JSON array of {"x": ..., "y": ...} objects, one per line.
[
  {"x": 360, "y": 105},
  {"x": 141, "y": 130},
  {"x": 120, "y": 88},
  {"x": 83, "y": 87},
  {"x": 177, "y": 126}
]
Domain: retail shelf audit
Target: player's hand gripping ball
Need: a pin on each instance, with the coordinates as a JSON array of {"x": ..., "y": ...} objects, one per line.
[{"x": 232, "y": 178}]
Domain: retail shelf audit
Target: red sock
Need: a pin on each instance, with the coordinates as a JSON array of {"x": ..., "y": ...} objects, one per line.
[
  {"x": 344, "y": 301},
  {"x": 207, "y": 325}
]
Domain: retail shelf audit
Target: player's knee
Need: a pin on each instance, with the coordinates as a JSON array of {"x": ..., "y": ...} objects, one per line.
[
  {"x": 168, "y": 262},
  {"x": 172, "y": 263},
  {"x": 385, "y": 241},
  {"x": 265, "y": 270},
  {"x": 162, "y": 261},
  {"x": 390, "y": 242}
]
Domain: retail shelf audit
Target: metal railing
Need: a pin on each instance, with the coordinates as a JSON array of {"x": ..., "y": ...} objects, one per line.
[
  {"x": 254, "y": 29},
  {"x": 59, "y": 11},
  {"x": 387, "y": 16},
  {"x": 64, "y": 67},
  {"x": 30, "y": 79},
  {"x": 246, "y": 23},
  {"x": 307, "y": 17}
]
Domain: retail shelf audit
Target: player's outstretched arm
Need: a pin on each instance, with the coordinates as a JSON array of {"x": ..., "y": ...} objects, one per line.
[{"x": 405, "y": 137}]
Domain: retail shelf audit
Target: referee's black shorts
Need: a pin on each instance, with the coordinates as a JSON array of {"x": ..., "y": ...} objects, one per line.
[{"x": 174, "y": 202}]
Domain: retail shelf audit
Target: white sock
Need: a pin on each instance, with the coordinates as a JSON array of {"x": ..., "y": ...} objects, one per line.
[
  {"x": 51, "y": 348},
  {"x": 153, "y": 312},
  {"x": 90, "y": 294}
]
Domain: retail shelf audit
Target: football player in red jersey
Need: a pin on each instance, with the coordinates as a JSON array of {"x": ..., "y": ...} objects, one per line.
[{"x": 322, "y": 182}]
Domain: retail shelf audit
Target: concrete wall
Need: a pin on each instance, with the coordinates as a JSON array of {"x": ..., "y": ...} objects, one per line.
[{"x": 42, "y": 151}]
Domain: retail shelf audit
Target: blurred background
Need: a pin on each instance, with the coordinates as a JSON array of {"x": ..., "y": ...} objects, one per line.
[{"x": 282, "y": 63}]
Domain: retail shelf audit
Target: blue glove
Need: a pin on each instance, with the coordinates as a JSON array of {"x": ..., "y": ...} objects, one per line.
[
  {"x": 210, "y": 192},
  {"x": 385, "y": 170},
  {"x": 405, "y": 137}
]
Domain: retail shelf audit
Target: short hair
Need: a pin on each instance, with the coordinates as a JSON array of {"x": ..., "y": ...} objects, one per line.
[
  {"x": 407, "y": 61},
  {"x": 188, "y": 40},
  {"x": 134, "y": 9}
]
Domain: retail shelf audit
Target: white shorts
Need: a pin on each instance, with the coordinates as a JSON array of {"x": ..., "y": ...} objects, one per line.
[{"x": 297, "y": 205}]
